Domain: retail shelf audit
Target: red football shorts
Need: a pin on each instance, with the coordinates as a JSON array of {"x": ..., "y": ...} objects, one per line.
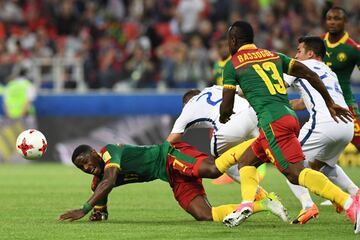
[
  {"x": 278, "y": 142},
  {"x": 182, "y": 167}
]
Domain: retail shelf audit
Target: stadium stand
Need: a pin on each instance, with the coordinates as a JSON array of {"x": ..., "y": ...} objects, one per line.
[{"x": 122, "y": 44}]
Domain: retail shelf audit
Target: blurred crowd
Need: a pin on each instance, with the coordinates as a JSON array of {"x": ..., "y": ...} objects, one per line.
[{"x": 150, "y": 43}]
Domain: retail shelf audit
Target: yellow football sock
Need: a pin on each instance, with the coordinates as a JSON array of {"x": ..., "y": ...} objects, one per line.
[
  {"x": 218, "y": 213},
  {"x": 260, "y": 206},
  {"x": 319, "y": 184},
  {"x": 232, "y": 156},
  {"x": 249, "y": 183},
  {"x": 261, "y": 193}
]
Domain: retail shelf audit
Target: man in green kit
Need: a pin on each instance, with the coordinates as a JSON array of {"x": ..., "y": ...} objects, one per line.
[
  {"x": 259, "y": 72},
  {"x": 342, "y": 55},
  {"x": 179, "y": 164}
]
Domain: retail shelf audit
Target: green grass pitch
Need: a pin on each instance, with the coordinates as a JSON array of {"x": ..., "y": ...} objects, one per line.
[{"x": 32, "y": 196}]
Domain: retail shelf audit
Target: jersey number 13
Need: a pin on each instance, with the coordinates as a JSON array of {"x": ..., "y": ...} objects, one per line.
[{"x": 271, "y": 76}]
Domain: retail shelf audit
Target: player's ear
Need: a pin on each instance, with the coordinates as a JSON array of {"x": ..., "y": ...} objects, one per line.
[
  {"x": 94, "y": 153},
  {"x": 310, "y": 54}
]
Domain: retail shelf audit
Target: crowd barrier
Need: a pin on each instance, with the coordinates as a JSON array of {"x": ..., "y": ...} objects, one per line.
[{"x": 59, "y": 114}]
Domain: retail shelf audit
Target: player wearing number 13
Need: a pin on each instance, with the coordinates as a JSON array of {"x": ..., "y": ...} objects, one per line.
[{"x": 259, "y": 73}]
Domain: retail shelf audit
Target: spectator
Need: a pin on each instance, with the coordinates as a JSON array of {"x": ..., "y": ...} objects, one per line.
[
  {"x": 18, "y": 94},
  {"x": 102, "y": 34},
  {"x": 139, "y": 69}
]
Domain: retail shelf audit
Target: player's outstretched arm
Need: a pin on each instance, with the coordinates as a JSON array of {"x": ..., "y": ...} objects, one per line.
[
  {"x": 103, "y": 189},
  {"x": 301, "y": 71},
  {"x": 226, "y": 107}
]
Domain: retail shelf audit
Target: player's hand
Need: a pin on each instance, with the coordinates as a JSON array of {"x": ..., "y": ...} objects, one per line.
[
  {"x": 99, "y": 214},
  {"x": 72, "y": 215},
  {"x": 225, "y": 116},
  {"x": 337, "y": 111}
]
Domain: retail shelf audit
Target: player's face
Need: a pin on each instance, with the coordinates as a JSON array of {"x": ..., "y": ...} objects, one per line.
[
  {"x": 335, "y": 21},
  {"x": 301, "y": 53},
  {"x": 90, "y": 163},
  {"x": 223, "y": 49}
]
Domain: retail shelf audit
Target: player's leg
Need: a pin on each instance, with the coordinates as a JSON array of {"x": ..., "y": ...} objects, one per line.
[
  {"x": 201, "y": 210},
  {"x": 309, "y": 209},
  {"x": 319, "y": 184},
  {"x": 311, "y": 143},
  {"x": 191, "y": 196},
  {"x": 284, "y": 150},
  {"x": 209, "y": 168},
  {"x": 337, "y": 175}
]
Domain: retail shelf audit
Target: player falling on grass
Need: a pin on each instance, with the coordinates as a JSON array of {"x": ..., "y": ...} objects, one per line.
[
  {"x": 201, "y": 110},
  {"x": 179, "y": 164},
  {"x": 259, "y": 74},
  {"x": 322, "y": 139},
  {"x": 342, "y": 55}
]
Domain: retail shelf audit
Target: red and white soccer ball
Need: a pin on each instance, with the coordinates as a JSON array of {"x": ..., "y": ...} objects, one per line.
[{"x": 31, "y": 144}]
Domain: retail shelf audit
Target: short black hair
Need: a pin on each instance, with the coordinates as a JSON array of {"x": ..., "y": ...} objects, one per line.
[
  {"x": 189, "y": 94},
  {"x": 315, "y": 44},
  {"x": 243, "y": 31},
  {"x": 338, "y": 9},
  {"x": 79, "y": 150}
]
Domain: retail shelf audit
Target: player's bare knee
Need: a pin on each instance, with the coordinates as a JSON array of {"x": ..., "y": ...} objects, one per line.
[
  {"x": 293, "y": 179},
  {"x": 208, "y": 169},
  {"x": 292, "y": 176}
]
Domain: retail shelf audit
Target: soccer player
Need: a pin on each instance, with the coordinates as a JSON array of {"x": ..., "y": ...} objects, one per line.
[
  {"x": 342, "y": 55},
  {"x": 201, "y": 110},
  {"x": 179, "y": 164},
  {"x": 224, "y": 55},
  {"x": 259, "y": 73},
  {"x": 321, "y": 144}
]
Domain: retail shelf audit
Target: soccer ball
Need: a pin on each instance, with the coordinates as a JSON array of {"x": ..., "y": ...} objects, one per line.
[{"x": 31, "y": 144}]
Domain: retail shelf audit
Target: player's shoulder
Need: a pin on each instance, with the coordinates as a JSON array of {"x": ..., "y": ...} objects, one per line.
[
  {"x": 112, "y": 147},
  {"x": 230, "y": 63},
  {"x": 312, "y": 63},
  {"x": 351, "y": 42}
]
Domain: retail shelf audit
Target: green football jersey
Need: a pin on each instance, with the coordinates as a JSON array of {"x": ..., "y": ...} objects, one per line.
[
  {"x": 342, "y": 57},
  {"x": 259, "y": 72},
  {"x": 218, "y": 71},
  {"x": 137, "y": 163}
]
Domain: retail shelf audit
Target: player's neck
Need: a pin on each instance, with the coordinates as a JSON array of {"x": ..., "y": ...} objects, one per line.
[{"x": 335, "y": 37}]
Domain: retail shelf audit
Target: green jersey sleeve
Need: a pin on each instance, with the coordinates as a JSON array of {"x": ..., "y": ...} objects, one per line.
[
  {"x": 287, "y": 62},
  {"x": 111, "y": 155},
  {"x": 229, "y": 75}
]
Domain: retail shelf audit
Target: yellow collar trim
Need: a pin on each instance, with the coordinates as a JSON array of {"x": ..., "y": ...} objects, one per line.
[
  {"x": 333, "y": 45},
  {"x": 247, "y": 46},
  {"x": 223, "y": 62}
]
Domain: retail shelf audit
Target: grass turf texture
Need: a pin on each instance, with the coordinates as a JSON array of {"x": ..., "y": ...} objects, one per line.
[{"x": 32, "y": 196}]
